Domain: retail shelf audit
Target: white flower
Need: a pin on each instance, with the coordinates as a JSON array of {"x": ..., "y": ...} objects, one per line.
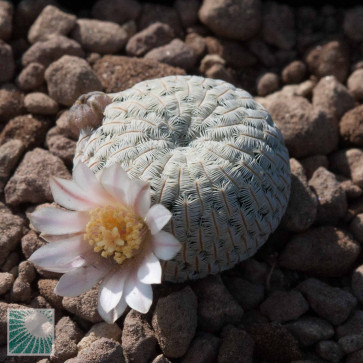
[{"x": 111, "y": 235}]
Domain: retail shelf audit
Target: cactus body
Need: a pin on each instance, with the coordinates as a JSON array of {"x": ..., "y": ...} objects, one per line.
[{"x": 212, "y": 156}]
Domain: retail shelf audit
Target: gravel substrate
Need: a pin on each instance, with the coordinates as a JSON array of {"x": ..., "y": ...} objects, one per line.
[{"x": 300, "y": 298}]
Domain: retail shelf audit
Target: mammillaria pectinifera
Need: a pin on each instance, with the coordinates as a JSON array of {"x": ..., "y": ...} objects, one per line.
[{"x": 212, "y": 156}]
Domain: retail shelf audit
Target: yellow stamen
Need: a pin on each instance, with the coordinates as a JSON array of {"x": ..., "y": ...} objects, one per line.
[{"x": 115, "y": 232}]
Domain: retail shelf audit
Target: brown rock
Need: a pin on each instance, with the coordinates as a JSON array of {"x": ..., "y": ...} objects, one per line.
[
  {"x": 155, "y": 35},
  {"x": 70, "y": 77},
  {"x": 329, "y": 302},
  {"x": 64, "y": 128},
  {"x": 188, "y": 11},
  {"x": 330, "y": 351},
  {"x": 31, "y": 77},
  {"x": 351, "y": 343},
  {"x": 102, "y": 351},
  {"x": 209, "y": 61},
  {"x": 161, "y": 359},
  {"x": 216, "y": 306},
  {"x": 351, "y": 190},
  {"x": 234, "y": 19},
  {"x": 176, "y": 54},
  {"x": 175, "y": 322},
  {"x": 84, "y": 306},
  {"x": 278, "y": 25},
  {"x": 118, "y": 73},
  {"x": 6, "y": 19},
  {"x": 10, "y": 154},
  {"x": 331, "y": 58},
  {"x": 260, "y": 50},
  {"x": 282, "y": 306},
  {"x": 218, "y": 71},
  {"x": 324, "y": 251},
  {"x": 357, "y": 283},
  {"x": 46, "y": 289},
  {"x": 11, "y": 102},
  {"x": 203, "y": 349},
  {"x": 354, "y": 325},
  {"x": 312, "y": 163},
  {"x": 267, "y": 84},
  {"x": 30, "y": 182},
  {"x": 351, "y": 127},
  {"x": 62, "y": 147},
  {"x": 99, "y": 36},
  {"x": 7, "y": 68},
  {"x": 353, "y": 20},
  {"x": 356, "y": 228},
  {"x": 138, "y": 339},
  {"x": 236, "y": 346},
  {"x": 40, "y": 103},
  {"x": 355, "y": 357},
  {"x": 6, "y": 282},
  {"x": 51, "y": 49},
  {"x": 117, "y": 11},
  {"x": 51, "y": 21},
  {"x": 355, "y": 82},
  {"x": 332, "y": 202},
  {"x": 294, "y": 72}
]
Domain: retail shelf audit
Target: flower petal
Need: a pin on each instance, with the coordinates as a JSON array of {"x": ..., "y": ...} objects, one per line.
[
  {"x": 157, "y": 217},
  {"x": 87, "y": 181},
  {"x": 149, "y": 271},
  {"x": 58, "y": 221},
  {"x": 139, "y": 197},
  {"x": 69, "y": 195},
  {"x": 113, "y": 314},
  {"x": 61, "y": 256},
  {"x": 138, "y": 296},
  {"x": 165, "y": 246},
  {"x": 116, "y": 181},
  {"x": 76, "y": 282},
  {"x": 111, "y": 289}
]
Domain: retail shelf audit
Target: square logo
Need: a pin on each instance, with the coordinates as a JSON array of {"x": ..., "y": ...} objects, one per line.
[{"x": 30, "y": 332}]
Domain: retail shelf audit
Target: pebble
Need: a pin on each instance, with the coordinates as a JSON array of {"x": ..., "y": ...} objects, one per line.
[
  {"x": 357, "y": 283},
  {"x": 302, "y": 207},
  {"x": 267, "y": 83},
  {"x": 46, "y": 289},
  {"x": 30, "y": 182},
  {"x": 11, "y": 102},
  {"x": 330, "y": 303},
  {"x": 247, "y": 294},
  {"x": 322, "y": 251},
  {"x": 98, "y": 36},
  {"x": 175, "y": 321},
  {"x": 176, "y": 53},
  {"x": 351, "y": 190},
  {"x": 68, "y": 78},
  {"x": 10, "y": 154},
  {"x": 161, "y": 359},
  {"x": 356, "y": 228},
  {"x": 216, "y": 306},
  {"x": 351, "y": 126},
  {"x": 331, "y": 58},
  {"x": 294, "y": 72},
  {"x": 110, "y": 10},
  {"x": 62, "y": 147},
  {"x": 232, "y": 19},
  {"x": 6, "y": 282},
  {"x": 63, "y": 128},
  {"x": 312, "y": 163},
  {"x": 218, "y": 71},
  {"x": 274, "y": 343},
  {"x": 197, "y": 43},
  {"x": 356, "y": 357},
  {"x": 351, "y": 343},
  {"x": 329, "y": 350},
  {"x": 51, "y": 49},
  {"x": 51, "y": 21},
  {"x": 118, "y": 73},
  {"x": 278, "y": 25},
  {"x": 11, "y": 230},
  {"x": 31, "y": 77},
  {"x": 353, "y": 23},
  {"x": 98, "y": 331},
  {"x": 209, "y": 61},
  {"x": 348, "y": 163},
  {"x": 84, "y": 306},
  {"x": 310, "y": 330},
  {"x": 40, "y": 103},
  {"x": 138, "y": 339},
  {"x": 7, "y": 62},
  {"x": 236, "y": 346},
  {"x": 282, "y": 306},
  {"x": 355, "y": 82},
  {"x": 188, "y": 11},
  {"x": 203, "y": 349},
  {"x": 11, "y": 262},
  {"x": 102, "y": 351},
  {"x": 21, "y": 290},
  {"x": 332, "y": 202},
  {"x": 154, "y": 36},
  {"x": 6, "y": 19},
  {"x": 354, "y": 325}
]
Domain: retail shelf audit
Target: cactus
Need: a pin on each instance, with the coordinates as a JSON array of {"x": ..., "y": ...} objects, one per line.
[{"x": 212, "y": 156}]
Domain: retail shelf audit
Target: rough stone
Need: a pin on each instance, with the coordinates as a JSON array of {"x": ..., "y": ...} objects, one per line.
[
  {"x": 6, "y": 19},
  {"x": 322, "y": 251},
  {"x": 233, "y": 19},
  {"x": 188, "y": 11},
  {"x": 294, "y": 72},
  {"x": 312, "y": 163},
  {"x": 40, "y": 103},
  {"x": 11, "y": 102},
  {"x": 330, "y": 351},
  {"x": 117, "y": 11},
  {"x": 51, "y": 21},
  {"x": 197, "y": 43},
  {"x": 355, "y": 357},
  {"x": 351, "y": 190},
  {"x": 6, "y": 282},
  {"x": 355, "y": 82},
  {"x": 46, "y": 288},
  {"x": 62, "y": 147},
  {"x": 31, "y": 77},
  {"x": 352, "y": 24},
  {"x": 68, "y": 78},
  {"x": 175, "y": 322},
  {"x": 7, "y": 69},
  {"x": 351, "y": 126},
  {"x": 268, "y": 83},
  {"x": 203, "y": 349},
  {"x": 356, "y": 228},
  {"x": 331, "y": 303},
  {"x": 354, "y": 325},
  {"x": 351, "y": 343},
  {"x": 30, "y": 182}
]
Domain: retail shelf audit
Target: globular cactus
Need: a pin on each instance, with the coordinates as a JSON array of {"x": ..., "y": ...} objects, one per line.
[{"x": 212, "y": 156}]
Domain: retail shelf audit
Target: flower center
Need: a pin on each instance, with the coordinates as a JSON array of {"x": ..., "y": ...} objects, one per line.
[{"x": 115, "y": 232}]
